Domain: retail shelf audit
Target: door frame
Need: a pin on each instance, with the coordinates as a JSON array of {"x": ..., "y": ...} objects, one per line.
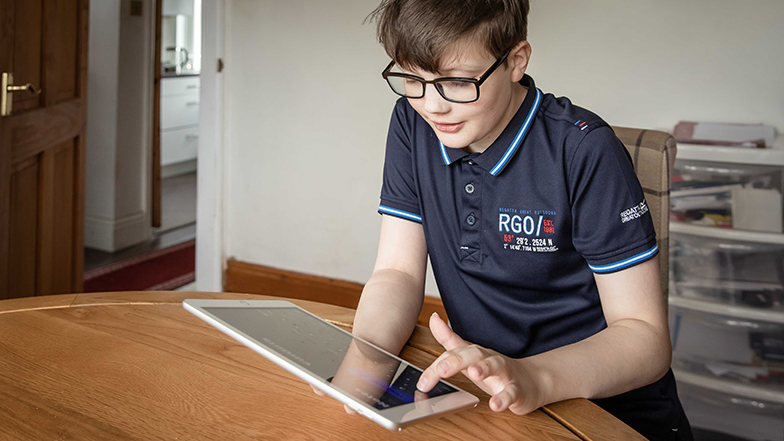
[
  {"x": 210, "y": 259},
  {"x": 155, "y": 155}
]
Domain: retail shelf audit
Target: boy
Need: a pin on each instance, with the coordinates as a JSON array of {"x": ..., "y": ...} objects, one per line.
[{"x": 519, "y": 199}]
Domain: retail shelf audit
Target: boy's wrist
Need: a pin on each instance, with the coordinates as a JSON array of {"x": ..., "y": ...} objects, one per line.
[{"x": 544, "y": 381}]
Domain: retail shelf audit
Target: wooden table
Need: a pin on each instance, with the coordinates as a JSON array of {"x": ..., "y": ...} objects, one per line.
[{"x": 138, "y": 366}]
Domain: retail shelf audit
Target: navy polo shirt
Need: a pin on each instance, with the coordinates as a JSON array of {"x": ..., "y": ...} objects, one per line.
[{"x": 516, "y": 233}]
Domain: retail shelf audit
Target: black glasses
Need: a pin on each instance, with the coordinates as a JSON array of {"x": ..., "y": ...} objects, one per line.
[{"x": 453, "y": 89}]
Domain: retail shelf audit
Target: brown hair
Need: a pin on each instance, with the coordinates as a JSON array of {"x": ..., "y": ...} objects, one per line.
[{"x": 416, "y": 33}]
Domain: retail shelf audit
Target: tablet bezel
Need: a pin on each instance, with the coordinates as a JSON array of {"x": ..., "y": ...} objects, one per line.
[{"x": 394, "y": 418}]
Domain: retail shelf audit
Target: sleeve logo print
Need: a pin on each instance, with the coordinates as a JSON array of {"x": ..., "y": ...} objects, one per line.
[{"x": 635, "y": 212}]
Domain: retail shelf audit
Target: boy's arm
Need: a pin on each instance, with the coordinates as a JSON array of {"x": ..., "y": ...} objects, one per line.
[
  {"x": 393, "y": 296},
  {"x": 633, "y": 351}
]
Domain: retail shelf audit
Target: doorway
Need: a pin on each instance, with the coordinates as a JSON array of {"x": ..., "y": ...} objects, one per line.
[
  {"x": 178, "y": 47},
  {"x": 140, "y": 228}
]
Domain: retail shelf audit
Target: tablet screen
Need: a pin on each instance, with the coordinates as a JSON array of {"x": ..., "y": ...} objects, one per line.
[{"x": 356, "y": 368}]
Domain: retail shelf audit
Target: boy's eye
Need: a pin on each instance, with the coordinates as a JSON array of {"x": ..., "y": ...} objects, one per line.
[{"x": 456, "y": 84}]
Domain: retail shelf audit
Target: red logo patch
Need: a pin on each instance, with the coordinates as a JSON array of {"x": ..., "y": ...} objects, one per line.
[{"x": 549, "y": 226}]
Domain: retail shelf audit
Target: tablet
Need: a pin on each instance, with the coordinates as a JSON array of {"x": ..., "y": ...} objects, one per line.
[{"x": 375, "y": 383}]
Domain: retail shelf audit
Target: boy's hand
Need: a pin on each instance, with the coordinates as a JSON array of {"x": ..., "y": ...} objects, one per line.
[
  {"x": 361, "y": 358},
  {"x": 511, "y": 382},
  {"x": 321, "y": 393}
]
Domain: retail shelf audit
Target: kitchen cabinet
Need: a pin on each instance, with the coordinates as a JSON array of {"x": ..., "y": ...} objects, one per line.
[
  {"x": 179, "y": 119},
  {"x": 726, "y": 303},
  {"x": 178, "y": 7}
]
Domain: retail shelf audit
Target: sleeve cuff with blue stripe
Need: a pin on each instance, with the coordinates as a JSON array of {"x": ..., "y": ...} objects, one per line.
[
  {"x": 398, "y": 210},
  {"x": 624, "y": 260}
]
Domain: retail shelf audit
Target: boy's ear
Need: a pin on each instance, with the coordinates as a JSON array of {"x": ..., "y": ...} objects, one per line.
[{"x": 518, "y": 60}]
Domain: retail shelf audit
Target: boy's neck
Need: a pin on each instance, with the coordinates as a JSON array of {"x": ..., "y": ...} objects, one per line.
[{"x": 519, "y": 93}]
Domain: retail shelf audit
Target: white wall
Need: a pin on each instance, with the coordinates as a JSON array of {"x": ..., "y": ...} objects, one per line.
[
  {"x": 304, "y": 150},
  {"x": 653, "y": 63},
  {"x": 102, "y": 111},
  {"x": 134, "y": 134},
  {"x": 118, "y": 126},
  {"x": 306, "y": 122}
]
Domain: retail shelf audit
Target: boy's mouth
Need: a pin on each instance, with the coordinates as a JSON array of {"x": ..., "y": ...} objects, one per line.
[{"x": 448, "y": 128}]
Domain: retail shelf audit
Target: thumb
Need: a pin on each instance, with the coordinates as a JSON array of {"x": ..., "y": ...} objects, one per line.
[{"x": 444, "y": 334}]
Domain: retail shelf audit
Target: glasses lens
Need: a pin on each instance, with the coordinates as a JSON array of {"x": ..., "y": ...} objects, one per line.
[
  {"x": 458, "y": 91},
  {"x": 406, "y": 86}
]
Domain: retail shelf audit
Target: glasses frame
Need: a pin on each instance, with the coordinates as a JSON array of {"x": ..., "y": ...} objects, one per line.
[{"x": 475, "y": 81}]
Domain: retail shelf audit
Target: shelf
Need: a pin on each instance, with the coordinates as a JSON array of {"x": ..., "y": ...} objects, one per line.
[
  {"x": 726, "y": 233},
  {"x": 726, "y": 387},
  {"x": 771, "y": 156},
  {"x": 742, "y": 312},
  {"x": 734, "y": 285}
]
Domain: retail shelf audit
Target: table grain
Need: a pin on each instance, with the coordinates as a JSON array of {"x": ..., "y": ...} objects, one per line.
[{"x": 137, "y": 366}]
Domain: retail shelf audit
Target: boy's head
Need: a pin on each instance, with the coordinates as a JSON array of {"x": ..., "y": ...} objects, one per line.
[
  {"x": 439, "y": 47},
  {"x": 418, "y": 33}
]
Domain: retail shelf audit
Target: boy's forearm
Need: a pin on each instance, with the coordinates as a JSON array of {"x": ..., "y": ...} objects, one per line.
[
  {"x": 388, "y": 309},
  {"x": 628, "y": 355}
]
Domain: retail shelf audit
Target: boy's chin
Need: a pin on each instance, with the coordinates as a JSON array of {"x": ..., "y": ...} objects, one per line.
[{"x": 453, "y": 142}]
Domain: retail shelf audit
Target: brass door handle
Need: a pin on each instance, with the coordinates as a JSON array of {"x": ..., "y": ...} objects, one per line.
[
  {"x": 7, "y": 90},
  {"x": 28, "y": 87}
]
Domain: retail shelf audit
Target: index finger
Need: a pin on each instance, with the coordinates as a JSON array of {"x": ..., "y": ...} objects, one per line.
[
  {"x": 450, "y": 363},
  {"x": 443, "y": 334}
]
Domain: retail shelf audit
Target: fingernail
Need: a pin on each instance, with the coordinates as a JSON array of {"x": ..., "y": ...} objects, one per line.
[
  {"x": 444, "y": 366},
  {"x": 422, "y": 383}
]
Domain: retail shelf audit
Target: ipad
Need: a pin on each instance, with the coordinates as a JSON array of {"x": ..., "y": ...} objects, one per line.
[{"x": 375, "y": 383}]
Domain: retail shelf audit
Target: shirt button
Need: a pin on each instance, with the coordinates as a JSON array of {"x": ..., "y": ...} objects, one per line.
[
  {"x": 471, "y": 220},
  {"x": 470, "y": 188},
  {"x": 471, "y": 162}
]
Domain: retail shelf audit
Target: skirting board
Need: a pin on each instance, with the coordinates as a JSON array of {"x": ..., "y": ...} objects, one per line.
[
  {"x": 178, "y": 168},
  {"x": 114, "y": 235},
  {"x": 257, "y": 279}
]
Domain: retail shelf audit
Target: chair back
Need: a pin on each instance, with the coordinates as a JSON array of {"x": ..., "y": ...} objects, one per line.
[{"x": 653, "y": 155}]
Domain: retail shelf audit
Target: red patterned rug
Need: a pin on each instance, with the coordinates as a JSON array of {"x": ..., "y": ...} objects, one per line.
[{"x": 159, "y": 270}]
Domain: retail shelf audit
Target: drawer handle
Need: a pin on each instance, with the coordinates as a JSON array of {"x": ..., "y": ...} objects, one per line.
[
  {"x": 192, "y": 86},
  {"x": 191, "y": 136},
  {"x": 742, "y": 403},
  {"x": 739, "y": 324},
  {"x": 192, "y": 103}
]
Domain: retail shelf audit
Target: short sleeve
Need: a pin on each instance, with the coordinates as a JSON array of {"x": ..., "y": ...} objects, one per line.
[
  {"x": 611, "y": 225},
  {"x": 399, "y": 196}
]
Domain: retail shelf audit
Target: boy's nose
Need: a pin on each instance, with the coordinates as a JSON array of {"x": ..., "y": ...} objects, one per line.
[{"x": 434, "y": 102}]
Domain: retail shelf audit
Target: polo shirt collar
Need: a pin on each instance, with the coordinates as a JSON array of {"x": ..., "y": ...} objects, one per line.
[{"x": 496, "y": 157}]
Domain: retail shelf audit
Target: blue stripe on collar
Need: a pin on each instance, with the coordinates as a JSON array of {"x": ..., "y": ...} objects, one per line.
[
  {"x": 520, "y": 136},
  {"x": 443, "y": 153}
]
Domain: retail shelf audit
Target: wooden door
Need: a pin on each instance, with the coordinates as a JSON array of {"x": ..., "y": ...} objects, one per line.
[{"x": 42, "y": 147}]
